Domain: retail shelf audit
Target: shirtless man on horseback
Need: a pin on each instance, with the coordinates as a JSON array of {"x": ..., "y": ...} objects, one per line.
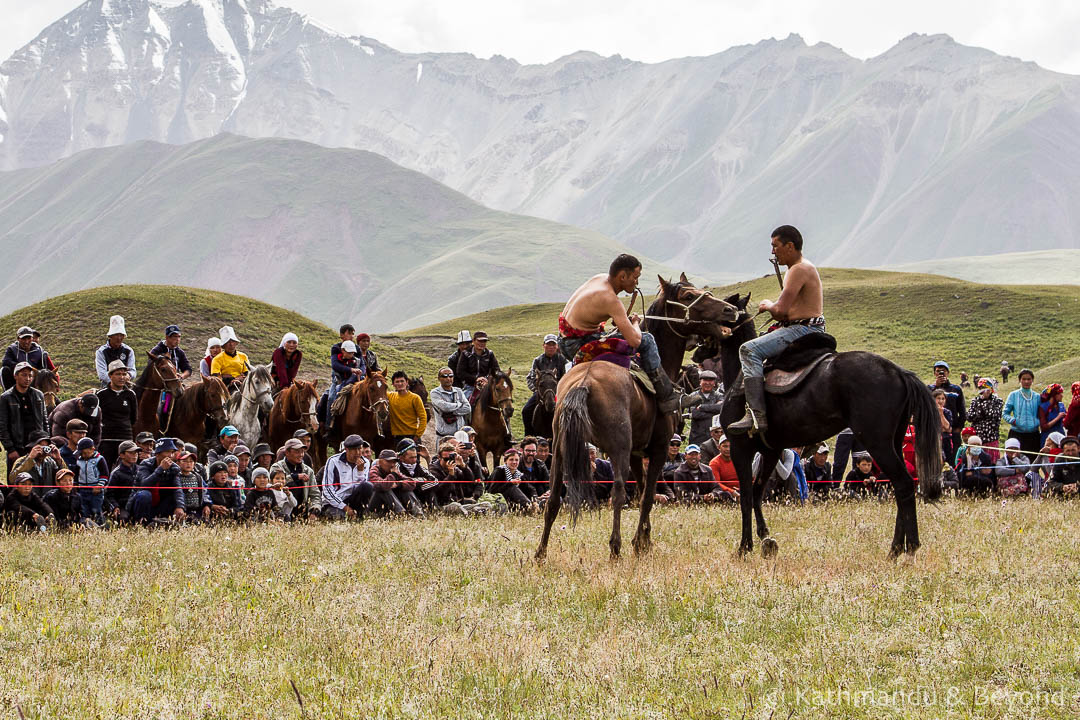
[
  {"x": 592, "y": 304},
  {"x": 798, "y": 312}
]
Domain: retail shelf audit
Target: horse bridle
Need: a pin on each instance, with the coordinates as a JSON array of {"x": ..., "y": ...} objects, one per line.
[
  {"x": 504, "y": 413},
  {"x": 165, "y": 383},
  {"x": 686, "y": 308},
  {"x": 284, "y": 410},
  {"x": 548, "y": 391},
  {"x": 259, "y": 394}
]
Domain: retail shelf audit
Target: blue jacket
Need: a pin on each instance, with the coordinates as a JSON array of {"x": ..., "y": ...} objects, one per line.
[
  {"x": 1021, "y": 412},
  {"x": 178, "y": 356},
  {"x": 343, "y": 370},
  {"x": 150, "y": 475}
]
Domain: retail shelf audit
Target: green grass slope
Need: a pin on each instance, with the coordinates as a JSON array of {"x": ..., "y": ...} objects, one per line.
[
  {"x": 911, "y": 319},
  {"x": 335, "y": 234},
  {"x": 1036, "y": 267},
  {"x": 74, "y": 325}
]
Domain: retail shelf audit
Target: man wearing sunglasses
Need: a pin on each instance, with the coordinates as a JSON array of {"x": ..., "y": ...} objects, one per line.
[
  {"x": 456, "y": 482},
  {"x": 452, "y": 408}
]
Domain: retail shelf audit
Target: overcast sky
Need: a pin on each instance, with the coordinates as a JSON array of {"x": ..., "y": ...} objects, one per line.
[{"x": 652, "y": 30}]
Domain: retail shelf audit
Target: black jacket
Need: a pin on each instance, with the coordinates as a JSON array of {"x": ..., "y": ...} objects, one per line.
[
  {"x": 118, "y": 490},
  {"x": 22, "y": 509},
  {"x": 541, "y": 363},
  {"x": 70, "y": 410},
  {"x": 1063, "y": 474},
  {"x": 118, "y": 412},
  {"x": 693, "y": 483},
  {"x": 537, "y": 476},
  {"x": 176, "y": 355},
  {"x": 12, "y": 433},
  {"x": 148, "y": 474},
  {"x": 66, "y": 507},
  {"x": 460, "y": 484},
  {"x": 471, "y": 366}
]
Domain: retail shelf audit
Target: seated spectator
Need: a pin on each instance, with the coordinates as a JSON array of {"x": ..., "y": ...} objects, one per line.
[
  {"x": 345, "y": 369},
  {"x": 384, "y": 478},
  {"x": 196, "y": 495},
  {"x": 413, "y": 475},
  {"x": 818, "y": 473},
  {"x": 985, "y": 415},
  {"x": 83, "y": 407},
  {"x": 1066, "y": 474},
  {"x": 975, "y": 469},
  {"x": 303, "y": 436},
  {"x": 506, "y": 481},
  {"x": 232, "y": 470},
  {"x": 1051, "y": 410},
  {"x": 346, "y": 490},
  {"x": 1011, "y": 470},
  {"x": 230, "y": 364},
  {"x": 65, "y": 504},
  {"x": 282, "y": 493},
  {"x": 261, "y": 502},
  {"x": 228, "y": 439},
  {"x": 464, "y": 342},
  {"x": 862, "y": 480},
  {"x": 534, "y": 473},
  {"x": 365, "y": 354},
  {"x": 694, "y": 482},
  {"x": 301, "y": 479},
  {"x": 41, "y": 462},
  {"x": 782, "y": 480},
  {"x": 708, "y": 402},
  {"x": 1041, "y": 467},
  {"x": 171, "y": 346},
  {"x": 151, "y": 475},
  {"x": 965, "y": 435},
  {"x": 243, "y": 469},
  {"x": 286, "y": 360},
  {"x": 262, "y": 457},
  {"x": 711, "y": 447},
  {"x": 91, "y": 476},
  {"x": 673, "y": 460},
  {"x": 455, "y": 474},
  {"x": 723, "y": 469},
  {"x": 146, "y": 442},
  {"x": 24, "y": 508},
  {"x": 467, "y": 450},
  {"x": 75, "y": 431},
  {"x": 122, "y": 483},
  {"x": 226, "y": 499},
  {"x": 543, "y": 452}
]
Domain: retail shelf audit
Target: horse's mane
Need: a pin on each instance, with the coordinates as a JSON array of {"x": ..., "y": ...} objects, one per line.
[
  {"x": 659, "y": 329},
  {"x": 144, "y": 376},
  {"x": 485, "y": 395},
  {"x": 260, "y": 372}
]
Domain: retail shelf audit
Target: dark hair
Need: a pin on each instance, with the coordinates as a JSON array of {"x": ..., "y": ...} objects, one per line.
[
  {"x": 788, "y": 234},
  {"x": 527, "y": 440},
  {"x": 623, "y": 262},
  {"x": 938, "y": 391},
  {"x": 1026, "y": 371},
  {"x": 399, "y": 374},
  {"x": 345, "y": 328},
  {"x": 543, "y": 442}
]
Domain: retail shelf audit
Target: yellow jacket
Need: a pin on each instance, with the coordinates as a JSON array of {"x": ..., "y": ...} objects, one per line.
[
  {"x": 407, "y": 414},
  {"x": 231, "y": 366}
]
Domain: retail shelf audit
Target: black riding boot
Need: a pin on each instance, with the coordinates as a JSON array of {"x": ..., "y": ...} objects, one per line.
[
  {"x": 667, "y": 399},
  {"x": 755, "y": 414}
]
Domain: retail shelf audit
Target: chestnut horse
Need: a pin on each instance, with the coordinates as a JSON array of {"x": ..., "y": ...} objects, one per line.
[
  {"x": 367, "y": 414},
  {"x": 159, "y": 374},
  {"x": 491, "y": 417},
  {"x": 48, "y": 382},
  {"x": 202, "y": 400},
  {"x": 294, "y": 408}
]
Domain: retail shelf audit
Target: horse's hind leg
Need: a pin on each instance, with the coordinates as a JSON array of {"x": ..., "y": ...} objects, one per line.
[
  {"x": 551, "y": 511},
  {"x": 619, "y": 467},
  {"x": 643, "y": 537},
  {"x": 906, "y": 530},
  {"x": 765, "y": 469}
]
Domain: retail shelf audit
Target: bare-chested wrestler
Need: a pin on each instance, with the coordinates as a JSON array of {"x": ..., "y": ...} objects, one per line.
[
  {"x": 799, "y": 312},
  {"x": 592, "y": 304}
]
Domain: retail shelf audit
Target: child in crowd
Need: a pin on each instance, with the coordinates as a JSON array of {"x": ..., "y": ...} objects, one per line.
[
  {"x": 65, "y": 504},
  {"x": 261, "y": 502},
  {"x": 226, "y": 500},
  {"x": 232, "y": 468},
  {"x": 861, "y": 480},
  {"x": 92, "y": 477},
  {"x": 286, "y": 503},
  {"x": 24, "y": 508}
]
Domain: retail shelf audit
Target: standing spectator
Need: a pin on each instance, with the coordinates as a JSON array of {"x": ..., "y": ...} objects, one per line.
[
  {"x": 230, "y": 364},
  {"x": 477, "y": 362},
  {"x": 464, "y": 342},
  {"x": 723, "y": 470},
  {"x": 1066, "y": 475},
  {"x": 118, "y": 411},
  {"x": 846, "y": 445},
  {"x": 1072, "y": 415},
  {"x": 24, "y": 508},
  {"x": 366, "y": 355},
  {"x": 22, "y": 411},
  {"x": 91, "y": 476},
  {"x": 286, "y": 360},
  {"x": 74, "y": 432},
  {"x": 85, "y": 408},
  {"x": 114, "y": 350},
  {"x": 171, "y": 346},
  {"x": 941, "y": 398},
  {"x": 711, "y": 447},
  {"x": 1051, "y": 410},
  {"x": 300, "y": 478},
  {"x": 66, "y": 505},
  {"x": 818, "y": 473},
  {"x": 551, "y": 360},
  {"x": 408, "y": 417},
  {"x": 985, "y": 415},
  {"x": 1011, "y": 470},
  {"x": 1005, "y": 370},
  {"x": 1021, "y": 412},
  {"x": 709, "y": 399},
  {"x": 24, "y": 349},
  {"x": 975, "y": 468},
  {"x": 213, "y": 347},
  {"x": 452, "y": 408},
  {"x": 954, "y": 399},
  {"x": 123, "y": 481}
]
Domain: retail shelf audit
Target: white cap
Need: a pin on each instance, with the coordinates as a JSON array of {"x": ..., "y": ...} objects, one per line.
[
  {"x": 348, "y": 346},
  {"x": 461, "y": 436},
  {"x": 287, "y": 337},
  {"x": 212, "y": 343},
  {"x": 464, "y": 336},
  {"x": 1012, "y": 444},
  {"x": 116, "y": 325},
  {"x": 551, "y": 337},
  {"x": 227, "y": 333},
  {"x": 1055, "y": 436}
]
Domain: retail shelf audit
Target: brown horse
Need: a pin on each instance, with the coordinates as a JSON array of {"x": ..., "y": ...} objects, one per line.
[
  {"x": 416, "y": 385},
  {"x": 294, "y": 408},
  {"x": 367, "y": 414},
  {"x": 600, "y": 403},
  {"x": 48, "y": 382},
  {"x": 491, "y": 416},
  {"x": 202, "y": 400},
  {"x": 159, "y": 374}
]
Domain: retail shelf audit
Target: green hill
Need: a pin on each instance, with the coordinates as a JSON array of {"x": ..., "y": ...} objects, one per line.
[
  {"x": 74, "y": 325},
  {"x": 912, "y": 319}
]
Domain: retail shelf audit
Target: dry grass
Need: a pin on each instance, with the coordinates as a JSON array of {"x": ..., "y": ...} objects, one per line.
[{"x": 450, "y": 618}]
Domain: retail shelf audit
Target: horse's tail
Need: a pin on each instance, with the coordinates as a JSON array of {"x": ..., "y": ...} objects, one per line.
[
  {"x": 574, "y": 426},
  {"x": 920, "y": 405}
]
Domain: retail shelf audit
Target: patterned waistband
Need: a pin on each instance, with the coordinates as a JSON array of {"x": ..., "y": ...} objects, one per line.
[{"x": 817, "y": 322}]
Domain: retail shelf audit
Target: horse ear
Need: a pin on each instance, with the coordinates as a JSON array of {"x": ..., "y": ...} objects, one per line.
[
  {"x": 151, "y": 355},
  {"x": 682, "y": 277},
  {"x": 733, "y": 299}
]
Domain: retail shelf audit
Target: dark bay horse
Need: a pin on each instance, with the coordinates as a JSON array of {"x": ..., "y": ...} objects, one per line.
[
  {"x": 159, "y": 374},
  {"x": 874, "y": 397},
  {"x": 367, "y": 414},
  {"x": 543, "y": 411},
  {"x": 416, "y": 385},
  {"x": 294, "y": 408},
  {"x": 48, "y": 382},
  {"x": 491, "y": 415},
  {"x": 600, "y": 403},
  {"x": 202, "y": 400}
]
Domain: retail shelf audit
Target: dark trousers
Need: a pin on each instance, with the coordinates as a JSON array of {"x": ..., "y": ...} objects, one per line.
[
  {"x": 1030, "y": 442},
  {"x": 515, "y": 496},
  {"x": 845, "y": 445},
  {"x": 142, "y": 508},
  {"x": 527, "y": 414},
  {"x": 409, "y": 501},
  {"x": 110, "y": 450},
  {"x": 385, "y": 502}
]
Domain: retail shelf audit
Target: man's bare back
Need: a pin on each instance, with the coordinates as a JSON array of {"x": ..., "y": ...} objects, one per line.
[{"x": 596, "y": 301}]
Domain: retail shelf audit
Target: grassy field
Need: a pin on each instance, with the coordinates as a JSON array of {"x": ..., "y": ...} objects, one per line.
[{"x": 450, "y": 618}]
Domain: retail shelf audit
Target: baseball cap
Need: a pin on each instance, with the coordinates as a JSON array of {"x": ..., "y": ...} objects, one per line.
[
  {"x": 172, "y": 330},
  {"x": 823, "y": 449},
  {"x": 25, "y": 331},
  {"x": 676, "y": 438},
  {"x": 228, "y": 431},
  {"x": 301, "y": 433},
  {"x": 941, "y": 363},
  {"x": 85, "y": 444},
  {"x": 24, "y": 366},
  {"x": 127, "y": 446},
  {"x": 353, "y": 441},
  {"x": 461, "y": 436},
  {"x": 62, "y": 472},
  {"x": 692, "y": 449},
  {"x": 241, "y": 450},
  {"x": 144, "y": 436},
  {"x": 468, "y": 429},
  {"x": 348, "y": 346},
  {"x": 480, "y": 335},
  {"x": 293, "y": 444},
  {"x": 23, "y": 477},
  {"x": 551, "y": 338}
]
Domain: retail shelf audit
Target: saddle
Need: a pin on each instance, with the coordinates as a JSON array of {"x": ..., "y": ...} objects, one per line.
[
  {"x": 617, "y": 352},
  {"x": 791, "y": 368},
  {"x": 341, "y": 400}
]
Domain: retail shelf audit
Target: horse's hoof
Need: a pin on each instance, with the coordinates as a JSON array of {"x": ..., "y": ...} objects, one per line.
[
  {"x": 894, "y": 553},
  {"x": 642, "y": 548},
  {"x": 540, "y": 557},
  {"x": 769, "y": 548},
  {"x": 745, "y": 550}
]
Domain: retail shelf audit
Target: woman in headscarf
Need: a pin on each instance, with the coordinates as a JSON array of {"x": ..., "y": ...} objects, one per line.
[
  {"x": 286, "y": 360},
  {"x": 213, "y": 347},
  {"x": 1051, "y": 411},
  {"x": 985, "y": 415},
  {"x": 1072, "y": 415}
]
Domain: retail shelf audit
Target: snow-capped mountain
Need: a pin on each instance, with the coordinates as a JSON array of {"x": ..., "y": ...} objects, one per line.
[{"x": 930, "y": 150}]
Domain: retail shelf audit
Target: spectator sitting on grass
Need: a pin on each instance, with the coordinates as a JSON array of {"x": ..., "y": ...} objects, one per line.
[
  {"x": 975, "y": 468},
  {"x": 506, "y": 480},
  {"x": 226, "y": 499},
  {"x": 694, "y": 482},
  {"x": 861, "y": 480},
  {"x": 818, "y": 472},
  {"x": 1066, "y": 474},
  {"x": 65, "y": 504},
  {"x": 1011, "y": 470},
  {"x": 24, "y": 508}
]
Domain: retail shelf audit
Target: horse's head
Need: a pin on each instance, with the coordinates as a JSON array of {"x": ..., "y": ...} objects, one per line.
[
  {"x": 742, "y": 328},
  {"x": 546, "y": 383},
  {"x": 48, "y": 382},
  {"x": 215, "y": 396},
  {"x": 259, "y": 388},
  {"x": 502, "y": 392},
  {"x": 166, "y": 371},
  {"x": 694, "y": 310},
  {"x": 304, "y": 396},
  {"x": 376, "y": 401}
]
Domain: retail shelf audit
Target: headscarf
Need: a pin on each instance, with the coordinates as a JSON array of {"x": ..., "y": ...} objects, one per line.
[
  {"x": 1052, "y": 390},
  {"x": 985, "y": 384},
  {"x": 212, "y": 342},
  {"x": 287, "y": 337},
  {"x": 1076, "y": 388}
]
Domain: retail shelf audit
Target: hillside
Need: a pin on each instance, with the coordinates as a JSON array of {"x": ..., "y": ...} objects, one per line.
[
  {"x": 337, "y": 235},
  {"x": 911, "y": 319},
  {"x": 930, "y": 149},
  {"x": 1038, "y": 267},
  {"x": 74, "y": 325}
]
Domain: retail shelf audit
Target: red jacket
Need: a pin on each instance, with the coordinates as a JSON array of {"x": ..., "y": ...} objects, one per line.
[{"x": 284, "y": 371}]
